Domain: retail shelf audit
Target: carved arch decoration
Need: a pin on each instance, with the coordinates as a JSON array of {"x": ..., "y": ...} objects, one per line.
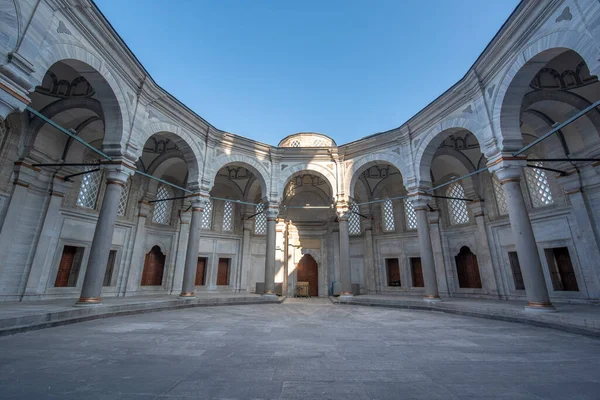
[
  {"x": 258, "y": 169},
  {"x": 516, "y": 81},
  {"x": 431, "y": 140},
  {"x": 106, "y": 85},
  {"x": 188, "y": 148},
  {"x": 320, "y": 170},
  {"x": 356, "y": 167}
]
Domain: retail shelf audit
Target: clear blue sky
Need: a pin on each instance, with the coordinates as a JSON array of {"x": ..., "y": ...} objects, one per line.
[{"x": 344, "y": 68}]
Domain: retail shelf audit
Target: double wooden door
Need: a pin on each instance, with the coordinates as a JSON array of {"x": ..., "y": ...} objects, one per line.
[{"x": 307, "y": 270}]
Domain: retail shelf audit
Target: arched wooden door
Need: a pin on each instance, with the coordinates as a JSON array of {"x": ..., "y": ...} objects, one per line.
[
  {"x": 154, "y": 266},
  {"x": 307, "y": 270},
  {"x": 467, "y": 269}
]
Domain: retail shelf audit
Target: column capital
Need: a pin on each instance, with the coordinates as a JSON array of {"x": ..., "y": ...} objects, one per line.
[
  {"x": 272, "y": 211},
  {"x": 420, "y": 199},
  {"x": 477, "y": 207},
  {"x": 507, "y": 167}
]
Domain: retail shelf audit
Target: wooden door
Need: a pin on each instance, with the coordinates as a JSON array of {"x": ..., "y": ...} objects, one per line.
[
  {"x": 561, "y": 269},
  {"x": 516, "y": 270},
  {"x": 200, "y": 271},
  {"x": 467, "y": 269},
  {"x": 64, "y": 268},
  {"x": 393, "y": 272},
  {"x": 307, "y": 270},
  {"x": 223, "y": 272},
  {"x": 153, "y": 267},
  {"x": 417, "y": 272}
]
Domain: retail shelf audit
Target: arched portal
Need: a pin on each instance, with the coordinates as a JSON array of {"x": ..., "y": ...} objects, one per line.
[
  {"x": 307, "y": 270},
  {"x": 154, "y": 266}
]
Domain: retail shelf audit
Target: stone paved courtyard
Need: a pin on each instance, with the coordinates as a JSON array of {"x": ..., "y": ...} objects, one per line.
[{"x": 309, "y": 349}]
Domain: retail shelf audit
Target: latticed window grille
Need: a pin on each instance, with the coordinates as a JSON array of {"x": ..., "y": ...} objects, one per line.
[
  {"x": 295, "y": 143},
  {"x": 457, "y": 208},
  {"x": 388, "y": 216},
  {"x": 90, "y": 187},
  {"x": 354, "y": 220},
  {"x": 228, "y": 216},
  {"x": 500, "y": 197},
  {"x": 318, "y": 143},
  {"x": 162, "y": 209},
  {"x": 207, "y": 215},
  {"x": 260, "y": 220},
  {"x": 538, "y": 185},
  {"x": 410, "y": 214},
  {"x": 124, "y": 197}
]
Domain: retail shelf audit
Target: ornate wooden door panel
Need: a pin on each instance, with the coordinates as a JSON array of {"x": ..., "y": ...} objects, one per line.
[
  {"x": 200, "y": 271},
  {"x": 64, "y": 268},
  {"x": 153, "y": 267},
  {"x": 307, "y": 270},
  {"x": 393, "y": 272},
  {"x": 417, "y": 272},
  {"x": 467, "y": 269},
  {"x": 223, "y": 272}
]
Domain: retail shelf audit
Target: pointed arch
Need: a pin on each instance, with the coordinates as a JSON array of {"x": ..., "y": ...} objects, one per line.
[
  {"x": 257, "y": 168},
  {"x": 356, "y": 167},
  {"x": 317, "y": 169}
]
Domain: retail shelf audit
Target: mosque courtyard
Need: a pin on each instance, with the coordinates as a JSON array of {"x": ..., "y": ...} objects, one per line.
[{"x": 301, "y": 349}]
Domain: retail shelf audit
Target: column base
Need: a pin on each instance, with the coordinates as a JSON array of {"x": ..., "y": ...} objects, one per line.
[
  {"x": 535, "y": 307},
  {"x": 431, "y": 299},
  {"x": 88, "y": 302},
  {"x": 187, "y": 295},
  {"x": 346, "y": 295},
  {"x": 269, "y": 294}
]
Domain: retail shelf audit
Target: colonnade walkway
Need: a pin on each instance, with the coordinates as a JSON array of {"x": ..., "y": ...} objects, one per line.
[{"x": 23, "y": 316}]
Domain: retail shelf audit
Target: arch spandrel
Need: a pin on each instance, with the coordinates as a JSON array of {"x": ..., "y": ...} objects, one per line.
[
  {"x": 259, "y": 170},
  {"x": 105, "y": 83},
  {"x": 513, "y": 85},
  {"x": 320, "y": 170}
]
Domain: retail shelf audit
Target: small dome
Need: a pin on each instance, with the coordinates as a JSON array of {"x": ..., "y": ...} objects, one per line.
[{"x": 307, "y": 139}]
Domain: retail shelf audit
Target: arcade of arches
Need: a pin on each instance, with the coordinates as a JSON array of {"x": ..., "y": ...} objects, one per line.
[{"x": 383, "y": 214}]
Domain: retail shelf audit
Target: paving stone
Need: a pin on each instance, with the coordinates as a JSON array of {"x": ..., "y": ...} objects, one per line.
[{"x": 342, "y": 352}]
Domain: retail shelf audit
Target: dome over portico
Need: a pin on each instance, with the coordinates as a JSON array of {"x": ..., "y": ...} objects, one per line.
[{"x": 307, "y": 139}]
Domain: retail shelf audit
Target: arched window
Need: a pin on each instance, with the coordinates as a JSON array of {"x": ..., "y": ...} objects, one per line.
[
  {"x": 260, "y": 220},
  {"x": 207, "y": 215},
  {"x": 295, "y": 143},
  {"x": 538, "y": 186},
  {"x": 354, "y": 220},
  {"x": 457, "y": 208},
  {"x": 228, "y": 216},
  {"x": 162, "y": 209},
  {"x": 90, "y": 187},
  {"x": 500, "y": 197},
  {"x": 124, "y": 197},
  {"x": 387, "y": 210},
  {"x": 410, "y": 214}
]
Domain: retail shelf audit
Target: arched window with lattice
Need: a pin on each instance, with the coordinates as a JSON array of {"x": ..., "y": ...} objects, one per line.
[
  {"x": 387, "y": 211},
  {"x": 228, "y": 216},
  {"x": 124, "y": 197},
  {"x": 410, "y": 215},
  {"x": 538, "y": 185},
  {"x": 457, "y": 209},
  {"x": 500, "y": 197},
  {"x": 260, "y": 220},
  {"x": 90, "y": 188},
  {"x": 162, "y": 209},
  {"x": 295, "y": 143},
  {"x": 354, "y": 219},
  {"x": 207, "y": 215}
]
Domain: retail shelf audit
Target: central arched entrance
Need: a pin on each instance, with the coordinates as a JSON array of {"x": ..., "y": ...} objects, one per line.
[{"x": 307, "y": 270}]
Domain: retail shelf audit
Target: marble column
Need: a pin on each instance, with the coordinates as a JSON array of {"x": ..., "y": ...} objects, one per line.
[
  {"x": 133, "y": 274},
  {"x": 246, "y": 256},
  {"x": 116, "y": 177},
  {"x": 420, "y": 202},
  {"x": 191, "y": 254},
  {"x": 272, "y": 212},
  {"x": 435, "y": 234},
  {"x": 185, "y": 217},
  {"x": 509, "y": 174},
  {"x": 345, "y": 272}
]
